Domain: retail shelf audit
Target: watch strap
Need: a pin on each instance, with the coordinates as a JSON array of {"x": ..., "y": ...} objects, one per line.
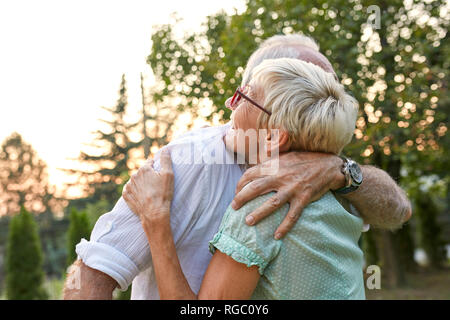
[{"x": 346, "y": 190}]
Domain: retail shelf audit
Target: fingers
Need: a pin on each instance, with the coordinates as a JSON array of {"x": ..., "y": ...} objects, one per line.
[
  {"x": 128, "y": 196},
  {"x": 252, "y": 190},
  {"x": 268, "y": 207},
  {"x": 295, "y": 211},
  {"x": 126, "y": 191},
  {"x": 149, "y": 162},
  {"x": 248, "y": 176},
  {"x": 166, "y": 161},
  {"x": 129, "y": 188},
  {"x": 146, "y": 167}
]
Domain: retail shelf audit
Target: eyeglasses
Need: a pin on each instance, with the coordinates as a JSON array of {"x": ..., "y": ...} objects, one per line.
[{"x": 238, "y": 95}]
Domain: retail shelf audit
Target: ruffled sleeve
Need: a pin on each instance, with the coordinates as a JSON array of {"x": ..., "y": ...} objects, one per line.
[{"x": 250, "y": 245}]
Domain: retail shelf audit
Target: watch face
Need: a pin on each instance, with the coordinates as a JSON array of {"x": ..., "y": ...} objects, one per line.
[{"x": 356, "y": 172}]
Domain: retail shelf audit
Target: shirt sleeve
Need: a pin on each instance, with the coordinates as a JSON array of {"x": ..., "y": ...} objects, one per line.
[
  {"x": 250, "y": 245},
  {"x": 118, "y": 245}
]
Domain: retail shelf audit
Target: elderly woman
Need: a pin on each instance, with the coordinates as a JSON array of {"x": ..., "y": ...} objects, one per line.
[{"x": 320, "y": 258}]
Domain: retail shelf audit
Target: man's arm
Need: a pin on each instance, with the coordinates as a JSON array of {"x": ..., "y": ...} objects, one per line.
[
  {"x": 379, "y": 200},
  {"x": 85, "y": 283},
  {"x": 304, "y": 177}
]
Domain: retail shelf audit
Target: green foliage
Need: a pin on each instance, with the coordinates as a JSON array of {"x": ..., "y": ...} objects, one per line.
[
  {"x": 24, "y": 182},
  {"x": 52, "y": 232},
  {"x": 24, "y": 273},
  {"x": 430, "y": 205},
  {"x": 96, "y": 209},
  {"x": 430, "y": 196},
  {"x": 404, "y": 247},
  {"x": 398, "y": 73},
  {"x": 122, "y": 295},
  {"x": 54, "y": 287},
  {"x": 79, "y": 227},
  {"x": 429, "y": 230},
  {"x": 370, "y": 248}
]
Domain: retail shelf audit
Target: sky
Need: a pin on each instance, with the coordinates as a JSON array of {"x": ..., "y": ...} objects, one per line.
[{"x": 61, "y": 60}]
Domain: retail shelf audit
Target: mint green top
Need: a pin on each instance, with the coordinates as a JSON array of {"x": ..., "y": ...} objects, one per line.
[{"x": 318, "y": 259}]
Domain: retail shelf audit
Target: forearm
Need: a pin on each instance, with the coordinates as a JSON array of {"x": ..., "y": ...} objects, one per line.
[
  {"x": 379, "y": 200},
  {"x": 85, "y": 283},
  {"x": 172, "y": 283}
]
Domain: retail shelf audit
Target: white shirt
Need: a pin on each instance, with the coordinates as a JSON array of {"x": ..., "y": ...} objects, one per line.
[{"x": 206, "y": 176}]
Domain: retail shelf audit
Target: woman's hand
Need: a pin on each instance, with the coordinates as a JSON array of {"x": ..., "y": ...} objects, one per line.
[{"x": 149, "y": 193}]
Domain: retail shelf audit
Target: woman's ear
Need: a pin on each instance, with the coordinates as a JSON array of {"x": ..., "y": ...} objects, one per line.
[{"x": 277, "y": 139}]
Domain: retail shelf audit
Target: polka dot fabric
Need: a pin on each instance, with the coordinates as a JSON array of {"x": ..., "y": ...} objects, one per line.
[{"x": 318, "y": 259}]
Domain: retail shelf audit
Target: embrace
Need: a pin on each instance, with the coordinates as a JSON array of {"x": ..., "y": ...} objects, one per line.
[{"x": 279, "y": 218}]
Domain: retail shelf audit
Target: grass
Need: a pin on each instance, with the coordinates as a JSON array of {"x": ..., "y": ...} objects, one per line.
[
  {"x": 54, "y": 288},
  {"x": 423, "y": 285}
]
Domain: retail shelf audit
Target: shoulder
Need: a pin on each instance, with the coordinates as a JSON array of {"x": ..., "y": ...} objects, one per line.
[
  {"x": 330, "y": 204},
  {"x": 328, "y": 217},
  {"x": 197, "y": 146},
  {"x": 238, "y": 216},
  {"x": 188, "y": 150}
]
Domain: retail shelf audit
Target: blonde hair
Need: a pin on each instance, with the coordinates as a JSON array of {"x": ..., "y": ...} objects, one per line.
[
  {"x": 281, "y": 46},
  {"x": 307, "y": 102}
]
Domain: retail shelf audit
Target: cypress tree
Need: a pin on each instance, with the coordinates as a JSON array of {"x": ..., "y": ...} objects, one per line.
[
  {"x": 79, "y": 227},
  {"x": 24, "y": 259}
]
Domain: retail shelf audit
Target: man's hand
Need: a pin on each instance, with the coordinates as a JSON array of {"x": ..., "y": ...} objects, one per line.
[{"x": 302, "y": 177}]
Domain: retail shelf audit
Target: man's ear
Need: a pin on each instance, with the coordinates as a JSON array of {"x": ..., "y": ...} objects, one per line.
[{"x": 278, "y": 139}]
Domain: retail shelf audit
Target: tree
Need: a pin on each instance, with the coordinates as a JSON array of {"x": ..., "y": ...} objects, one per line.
[
  {"x": 53, "y": 235},
  {"x": 110, "y": 161},
  {"x": 23, "y": 178},
  {"x": 79, "y": 227},
  {"x": 430, "y": 200},
  {"x": 370, "y": 248},
  {"x": 24, "y": 273},
  {"x": 398, "y": 73},
  {"x": 96, "y": 209}
]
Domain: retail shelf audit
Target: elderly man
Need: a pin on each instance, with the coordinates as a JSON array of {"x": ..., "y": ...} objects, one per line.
[{"x": 118, "y": 252}]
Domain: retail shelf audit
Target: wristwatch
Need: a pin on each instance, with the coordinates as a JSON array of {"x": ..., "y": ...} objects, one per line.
[{"x": 353, "y": 176}]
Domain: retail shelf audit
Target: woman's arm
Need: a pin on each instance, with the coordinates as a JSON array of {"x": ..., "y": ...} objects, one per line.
[
  {"x": 224, "y": 279},
  {"x": 172, "y": 283}
]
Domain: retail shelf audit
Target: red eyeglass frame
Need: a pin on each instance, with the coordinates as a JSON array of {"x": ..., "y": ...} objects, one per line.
[{"x": 237, "y": 97}]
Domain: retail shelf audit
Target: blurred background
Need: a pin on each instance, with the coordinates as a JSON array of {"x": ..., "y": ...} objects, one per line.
[{"x": 90, "y": 89}]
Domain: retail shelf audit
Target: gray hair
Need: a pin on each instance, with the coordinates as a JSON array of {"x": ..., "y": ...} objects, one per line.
[
  {"x": 282, "y": 46},
  {"x": 308, "y": 103},
  {"x": 290, "y": 39}
]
